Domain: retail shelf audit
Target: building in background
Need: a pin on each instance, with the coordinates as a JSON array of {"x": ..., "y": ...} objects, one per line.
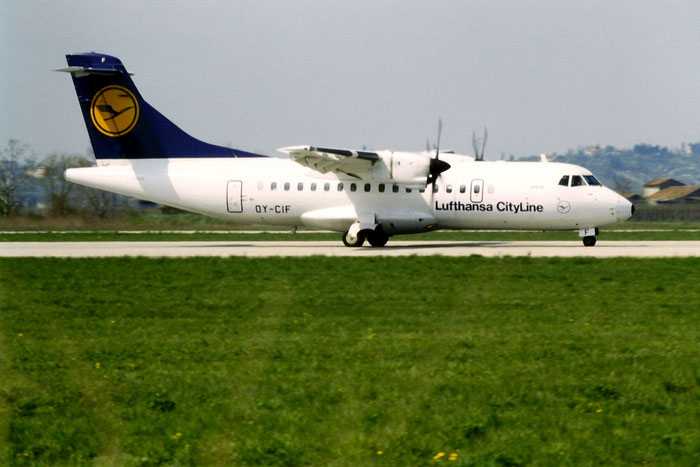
[
  {"x": 659, "y": 184},
  {"x": 676, "y": 195}
]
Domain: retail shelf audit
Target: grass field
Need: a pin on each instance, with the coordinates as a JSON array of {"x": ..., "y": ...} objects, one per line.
[{"x": 349, "y": 361}]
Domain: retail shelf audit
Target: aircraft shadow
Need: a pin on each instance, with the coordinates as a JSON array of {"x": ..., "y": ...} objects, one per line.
[{"x": 441, "y": 245}]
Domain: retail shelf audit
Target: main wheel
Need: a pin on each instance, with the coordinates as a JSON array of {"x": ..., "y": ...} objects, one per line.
[
  {"x": 377, "y": 237},
  {"x": 589, "y": 241},
  {"x": 349, "y": 240}
]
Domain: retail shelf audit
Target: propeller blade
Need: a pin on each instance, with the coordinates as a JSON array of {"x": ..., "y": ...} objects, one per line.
[
  {"x": 437, "y": 149},
  {"x": 435, "y": 168}
]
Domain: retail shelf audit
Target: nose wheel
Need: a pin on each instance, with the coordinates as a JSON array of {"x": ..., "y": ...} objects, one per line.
[
  {"x": 589, "y": 241},
  {"x": 588, "y": 235}
]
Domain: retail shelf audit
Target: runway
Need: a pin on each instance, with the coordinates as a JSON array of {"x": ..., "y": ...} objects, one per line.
[{"x": 603, "y": 249}]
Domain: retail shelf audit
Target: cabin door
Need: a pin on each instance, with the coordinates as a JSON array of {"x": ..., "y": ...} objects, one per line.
[{"x": 233, "y": 196}]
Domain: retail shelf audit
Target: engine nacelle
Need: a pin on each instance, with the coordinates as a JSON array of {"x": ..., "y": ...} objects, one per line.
[{"x": 405, "y": 168}]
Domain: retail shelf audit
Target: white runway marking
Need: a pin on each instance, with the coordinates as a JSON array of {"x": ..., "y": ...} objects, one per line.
[{"x": 603, "y": 249}]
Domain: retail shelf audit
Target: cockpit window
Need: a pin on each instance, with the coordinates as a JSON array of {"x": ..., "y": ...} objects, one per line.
[
  {"x": 591, "y": 180},
  {"x": 564, "y": 180},
  {"x": 576, "y": 180}
]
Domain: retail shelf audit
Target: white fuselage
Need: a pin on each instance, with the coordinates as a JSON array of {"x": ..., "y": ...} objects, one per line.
[{"x": 470, "y": 195}]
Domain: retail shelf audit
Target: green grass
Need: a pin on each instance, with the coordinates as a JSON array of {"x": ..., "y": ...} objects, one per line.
[{"x": 318, "y": 361}]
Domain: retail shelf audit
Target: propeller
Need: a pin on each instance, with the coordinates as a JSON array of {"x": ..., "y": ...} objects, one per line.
[
  {"x": 437, "y": 166},
  {"x": 479, "y": 155}
]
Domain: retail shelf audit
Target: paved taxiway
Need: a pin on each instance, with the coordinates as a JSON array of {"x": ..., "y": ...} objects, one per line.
[{"x": 644, "y": 249}]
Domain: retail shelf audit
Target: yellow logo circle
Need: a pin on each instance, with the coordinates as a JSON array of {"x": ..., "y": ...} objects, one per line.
[{"x": 114, "y": 111}]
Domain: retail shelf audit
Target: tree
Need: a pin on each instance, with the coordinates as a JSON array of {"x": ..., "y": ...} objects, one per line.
[
  {"x": 101, "y": 203},
  {"x": 623, "y": 185},
  {"x": 60, "y": 192},
  {"x": 16, "y": 165},
  {"x": 646, "y": 149},
  {"x": 695, "y": 149}
]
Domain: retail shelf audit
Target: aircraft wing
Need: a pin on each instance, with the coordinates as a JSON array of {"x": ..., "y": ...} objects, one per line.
[{"x": 355, "y": 163}]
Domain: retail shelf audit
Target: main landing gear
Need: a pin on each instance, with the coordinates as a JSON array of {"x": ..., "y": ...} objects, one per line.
[{"x": 375, "y": 238}]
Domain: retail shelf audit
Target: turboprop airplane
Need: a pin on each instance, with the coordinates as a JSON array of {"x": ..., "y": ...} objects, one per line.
[{"x": 366, "y": 195}]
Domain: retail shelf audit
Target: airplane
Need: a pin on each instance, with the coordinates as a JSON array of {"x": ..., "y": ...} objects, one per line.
[{"x": 365, "y": 195}]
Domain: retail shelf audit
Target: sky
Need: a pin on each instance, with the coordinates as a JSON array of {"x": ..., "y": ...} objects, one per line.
[{"x": 543, "y": 76}]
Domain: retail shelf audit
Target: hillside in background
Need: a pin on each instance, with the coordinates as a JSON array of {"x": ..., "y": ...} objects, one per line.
[{"x": 628, "y": 169}]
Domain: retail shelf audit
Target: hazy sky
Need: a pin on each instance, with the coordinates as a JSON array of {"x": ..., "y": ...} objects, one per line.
[{"x": 544, "y": 76}]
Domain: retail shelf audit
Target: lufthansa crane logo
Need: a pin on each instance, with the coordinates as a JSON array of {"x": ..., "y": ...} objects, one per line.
[
  {"x": 563, "y": 207},
  {"x": 114, "y": 111}
]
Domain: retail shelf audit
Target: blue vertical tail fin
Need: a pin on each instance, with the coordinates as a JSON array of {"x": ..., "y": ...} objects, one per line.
[{"x": 122, "y": 125}]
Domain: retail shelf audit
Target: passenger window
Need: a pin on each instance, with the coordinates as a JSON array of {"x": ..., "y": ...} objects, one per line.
[
  {"x": 261, "y": 185},
  {"x": 395, "y": 188},
  {"x": 576, "y": 180},
  {"x": 381, "y": 188},
  {"x": 273, "y": 186},
  {"x": 313, "y": 187},
  {"x": 564, "y": 180},
  {"x": 353, "y": 187},
  {"x": 592, "y": 180},
  {"x": 422, "y": 190},
  {"x": 477, "y": 189},
  {"x": 300, "y": 187},
  {"x": 408, "y": 190},
  {"x": 448, "y": 188},
  {"x": 368, "y": 186},
  {"x": 462, "y": 188},
  {"x": 286, "y": 186},
  {"x": 340, "y": 187},
  {"x": 327, "y": 187},
  {"x": 436, "y": 188}
]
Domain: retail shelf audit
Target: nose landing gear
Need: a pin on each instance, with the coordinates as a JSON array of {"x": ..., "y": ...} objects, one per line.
[
  {"x": 589, "y": 241},
  {"x": 588, "y": 236}
]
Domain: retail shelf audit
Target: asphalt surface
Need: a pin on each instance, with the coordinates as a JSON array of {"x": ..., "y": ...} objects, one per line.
[{"x": 603, "y": 249}]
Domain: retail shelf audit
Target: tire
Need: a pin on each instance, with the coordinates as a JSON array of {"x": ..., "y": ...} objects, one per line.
[
  {"x": 589, "y": 241},
  {"x": 354, "y": 242},
  {"x": 377, "y": 238}
]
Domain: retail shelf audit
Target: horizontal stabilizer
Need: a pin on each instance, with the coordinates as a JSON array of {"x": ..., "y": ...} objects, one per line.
[{"x": 81, "y": 71}]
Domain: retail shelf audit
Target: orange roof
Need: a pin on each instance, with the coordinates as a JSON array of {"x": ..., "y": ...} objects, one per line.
[
  {"x": 661, "y": 181},
  {"x": 677, "y": 192}
]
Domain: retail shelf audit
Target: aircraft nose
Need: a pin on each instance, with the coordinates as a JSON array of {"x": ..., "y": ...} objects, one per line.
[{"x": 625, "y": 209}]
